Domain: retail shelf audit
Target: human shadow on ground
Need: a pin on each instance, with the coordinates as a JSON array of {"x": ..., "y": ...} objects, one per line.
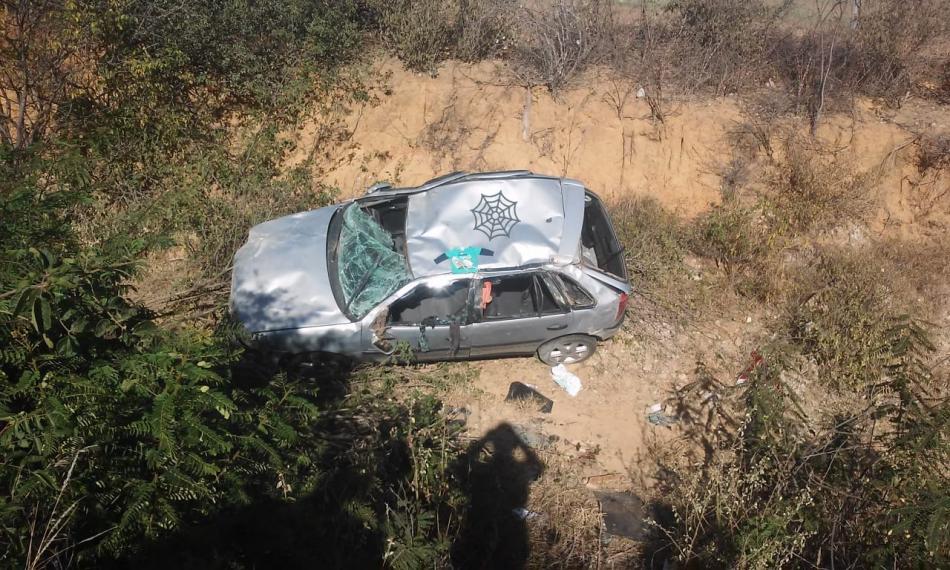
[{"x": 497, "y": 471}]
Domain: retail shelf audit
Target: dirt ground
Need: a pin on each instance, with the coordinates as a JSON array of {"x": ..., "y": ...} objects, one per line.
[
  {"x": 605, "y": 425},
  {"x": 469, "y": 118}
]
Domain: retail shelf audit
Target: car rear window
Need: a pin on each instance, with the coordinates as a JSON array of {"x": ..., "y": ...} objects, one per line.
[
  {"x": 547, "y": 302},
  {"x": 599, "y": 245}
]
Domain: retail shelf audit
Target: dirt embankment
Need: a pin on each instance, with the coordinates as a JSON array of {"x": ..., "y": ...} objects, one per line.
[{"x": 469, "y": 117}]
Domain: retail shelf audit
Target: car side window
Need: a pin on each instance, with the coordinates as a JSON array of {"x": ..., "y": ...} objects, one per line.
[
  {"x": 548, "y": 298},
  {"x": 431, "y": 305},
  {"x": 577, "y": 296},
  {"x": 509, "y": 297}
]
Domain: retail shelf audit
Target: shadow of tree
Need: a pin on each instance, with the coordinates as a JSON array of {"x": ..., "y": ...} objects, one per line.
[
  {"x": 316, "y": 531},
  {"x": 334, "y": 525},
  {"x": 368, "y": 468}
]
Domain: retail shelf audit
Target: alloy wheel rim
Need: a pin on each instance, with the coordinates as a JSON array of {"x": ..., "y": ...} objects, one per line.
[{"x": 569, "y": 352}]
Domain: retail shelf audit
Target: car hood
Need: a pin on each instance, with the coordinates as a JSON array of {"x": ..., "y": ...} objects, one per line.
[{"x": 280, "y": 280}]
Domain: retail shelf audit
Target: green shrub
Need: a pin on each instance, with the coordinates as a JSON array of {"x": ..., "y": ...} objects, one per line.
[
  {"x": 807, "y": 191},
  {"x": 385, "y": 492},
  {"x": 237, "y": 52},
  {"x": 653, "y": 240},
  {"x": 232, "y": 191},
  {"x": 119, "y": 438},
  {"x": 732, "y": 234},
  {"x": 117, "y": 435},
  {"x": 848, "y": 319},
  {"x": 113, "y": 428},
  {"x": 854, "y": 484}
]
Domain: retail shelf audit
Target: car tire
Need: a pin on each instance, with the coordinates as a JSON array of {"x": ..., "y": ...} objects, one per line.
[{"x": 569, "y": 349}]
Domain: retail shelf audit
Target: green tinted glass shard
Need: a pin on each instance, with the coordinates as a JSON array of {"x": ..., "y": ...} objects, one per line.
[{"x": 370, "y": 267}]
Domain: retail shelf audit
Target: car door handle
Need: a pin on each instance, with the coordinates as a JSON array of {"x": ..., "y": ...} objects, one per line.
[{"x": 557, "y": 327}]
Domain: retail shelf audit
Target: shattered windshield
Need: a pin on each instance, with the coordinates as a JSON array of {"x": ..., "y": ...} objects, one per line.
[{"x": 370, "y": 269}]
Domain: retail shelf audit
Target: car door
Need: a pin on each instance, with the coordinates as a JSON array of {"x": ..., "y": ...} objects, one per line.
[
  {"x": 431, "y": 319},
  {"x": 514, "y": 314}
]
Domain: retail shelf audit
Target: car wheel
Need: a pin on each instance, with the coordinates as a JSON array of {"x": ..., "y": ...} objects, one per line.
[{"x": 567, "y": 349}]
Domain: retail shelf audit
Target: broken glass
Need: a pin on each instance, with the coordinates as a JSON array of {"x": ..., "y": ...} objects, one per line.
[{"x": 370, "y": 268}]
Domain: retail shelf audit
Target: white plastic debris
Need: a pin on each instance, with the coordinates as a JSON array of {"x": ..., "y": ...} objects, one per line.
[
  {"x": 564, "y": 379},
  {"x": 656, "y": 415},
  {"x": 524, "y": 514}
]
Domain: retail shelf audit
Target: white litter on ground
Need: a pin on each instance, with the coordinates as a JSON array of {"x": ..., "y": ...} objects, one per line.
[
  {"x": 656, "y": 415},
  {"x": 524, "y": 514},
  {"x": 564, "y": 379}
]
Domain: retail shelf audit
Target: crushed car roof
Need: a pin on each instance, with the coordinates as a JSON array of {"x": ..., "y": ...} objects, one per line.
[{"x": 493, "y": 221}]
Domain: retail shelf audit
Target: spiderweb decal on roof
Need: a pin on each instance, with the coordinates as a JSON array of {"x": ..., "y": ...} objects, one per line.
[{"x": 495, "y": 215}]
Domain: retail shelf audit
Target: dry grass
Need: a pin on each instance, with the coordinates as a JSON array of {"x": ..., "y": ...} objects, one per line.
[
  {"x": 887, "y": 50},
  {"x": 423, "y": 33},
  {"x": 774, "y": 211},
  {"x": 763, "y": 476},
  {"x": 919, "y": 272},
  {"x": 568, "y": 531},
  {"x": 420, "y": 33},
  {"x": 809, "y": 190},
  {"x": 484, "y": 28},
  {"x": 731, "y": 233},
  {"x": 653, "y": 239},
  {"x": 841, "y": 316},
  {"x": 933, "y": 153},
  {"x": 668, "y": 292},
  {"x": 555, "y": 41}
]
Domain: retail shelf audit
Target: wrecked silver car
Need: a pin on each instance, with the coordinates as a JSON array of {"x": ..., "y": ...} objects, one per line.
[{"x": 463, "y": 266}]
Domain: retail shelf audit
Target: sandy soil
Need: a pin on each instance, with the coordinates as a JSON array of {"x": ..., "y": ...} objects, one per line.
[
  {"x": 605, "y": 425},
  {"x": 469, "y": 118},
  {"x": 466, "y": 118}
]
